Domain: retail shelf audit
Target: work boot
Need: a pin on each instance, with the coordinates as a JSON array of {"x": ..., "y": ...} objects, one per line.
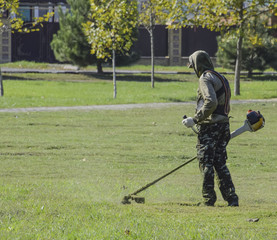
[
  {"x": 208, "y": 204},
  {"x": 233, "y": 202},
  {"x": 209, "y": 198}
]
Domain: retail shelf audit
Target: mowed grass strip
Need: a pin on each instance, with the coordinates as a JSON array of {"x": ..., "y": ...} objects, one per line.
[
  {"x": 73, "y": 90},
  {"x": 30, "y": 90},
  {"x": 63, "y": 175}
]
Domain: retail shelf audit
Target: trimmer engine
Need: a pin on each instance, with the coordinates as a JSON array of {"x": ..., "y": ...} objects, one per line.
[
  {"x": 255, "y": 119},
  {"x": 253, "y": 123}
]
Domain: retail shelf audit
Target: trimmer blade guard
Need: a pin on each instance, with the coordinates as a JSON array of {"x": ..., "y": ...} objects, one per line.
[
  {"x": 137, "y": 199},
  {"x": 255, "y": 120}
]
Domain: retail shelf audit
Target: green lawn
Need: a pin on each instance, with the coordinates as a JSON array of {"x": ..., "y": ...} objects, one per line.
[
  {"x": 63, "y": 175},
  {"x": 38, "y": 65},
  {"x": 29, "y": 90}
]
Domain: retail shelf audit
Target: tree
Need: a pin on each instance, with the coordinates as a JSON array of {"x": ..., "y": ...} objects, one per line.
[
  {"x": 110, "y": 29},
  {"x": 70, "y": 43},
  {"x": 6, "y": 7},
  {"x": 10, "y": 19},
  {"x": 259, "y": 49},
  {"x": 153, "y": 12},
  {"x": 231, "y": 17}
]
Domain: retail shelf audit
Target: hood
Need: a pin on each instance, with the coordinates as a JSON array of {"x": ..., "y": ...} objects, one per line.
[{"x": 200, "y": 61}]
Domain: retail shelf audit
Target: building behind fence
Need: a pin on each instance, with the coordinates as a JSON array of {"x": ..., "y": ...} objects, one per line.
[{"x": 172, "y": 47}]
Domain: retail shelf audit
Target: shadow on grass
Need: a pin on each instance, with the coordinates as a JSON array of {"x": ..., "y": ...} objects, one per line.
[
  {"x": 16, "y": 78},
  {"x": 93, "y": 77},
  {"x": 133, "y": 77},
  {"x": 267, "y": 77},
  {"x": 170, "y": 99}
]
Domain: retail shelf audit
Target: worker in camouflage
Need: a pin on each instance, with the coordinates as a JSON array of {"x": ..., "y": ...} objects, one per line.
[{"x": 211, "y": 117}]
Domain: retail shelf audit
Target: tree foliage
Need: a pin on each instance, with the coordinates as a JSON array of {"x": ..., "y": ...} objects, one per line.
[
  {"x": 229, "y": 16},
  {"x": 222, "y": 15},
  {"x": 7, "y": 9},
  {"x": 154, "y": 12},
  {"x": 111, "y": 28},
  {"x": 10, "y": 20},
  {"x": 70, "y": 43},
  {"x": 259, "y": 49}
]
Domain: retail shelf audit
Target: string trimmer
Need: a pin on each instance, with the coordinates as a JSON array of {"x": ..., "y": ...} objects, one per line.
[{"x": 254, "y": 121}]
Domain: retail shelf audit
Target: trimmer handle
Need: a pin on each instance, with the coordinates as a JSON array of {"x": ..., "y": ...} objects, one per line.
[{"x": 193, "y": 128}]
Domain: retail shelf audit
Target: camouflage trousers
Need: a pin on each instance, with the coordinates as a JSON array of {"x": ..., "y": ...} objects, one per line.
[{"x": 212, "y": 156}]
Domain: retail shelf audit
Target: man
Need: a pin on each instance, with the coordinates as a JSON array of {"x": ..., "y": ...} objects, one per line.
[{"x": 213, "y": 106}]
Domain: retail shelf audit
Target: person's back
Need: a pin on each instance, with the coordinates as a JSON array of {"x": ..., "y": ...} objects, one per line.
[
  {"x": 213, "y": 100},
  {"x": 213, "y": 106}
]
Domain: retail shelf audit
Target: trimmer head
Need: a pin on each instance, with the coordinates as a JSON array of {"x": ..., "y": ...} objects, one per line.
[
  {"x": 138, "y": 199},
  {"x": 126, "y": 199}
]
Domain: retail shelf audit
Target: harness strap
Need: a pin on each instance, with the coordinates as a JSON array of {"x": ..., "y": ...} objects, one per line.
[{"x": 225, "y": 88}]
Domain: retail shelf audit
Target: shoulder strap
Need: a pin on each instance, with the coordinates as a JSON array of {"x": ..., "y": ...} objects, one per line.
[{"x": 224, "y": 89}]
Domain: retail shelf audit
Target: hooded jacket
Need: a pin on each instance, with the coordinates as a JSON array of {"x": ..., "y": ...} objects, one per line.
[{"x": 213, "y": 104}]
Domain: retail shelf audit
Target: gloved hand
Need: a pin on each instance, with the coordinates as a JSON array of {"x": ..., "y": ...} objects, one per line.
[{"x": 188, "y": 122}]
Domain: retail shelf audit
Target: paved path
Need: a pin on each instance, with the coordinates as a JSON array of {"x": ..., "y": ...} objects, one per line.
[
  {"x": 77, "y": 71},
  {"x": 74, "y": 70},
  {"x": 122, "y": 106}
]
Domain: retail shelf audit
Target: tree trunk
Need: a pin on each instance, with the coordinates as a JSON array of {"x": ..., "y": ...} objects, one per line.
[
  {"x": 99, "y": 66},
  {"x": 1, "y": 84},
  {"x": 238, "y": 67},
  {"x": 152, "y": 61},
  {"x": 151, "y": 32},
  {"x": 239, "y": 52},
  {"x": 114, "y": 76},
  {"x": 249, "y": 74}
]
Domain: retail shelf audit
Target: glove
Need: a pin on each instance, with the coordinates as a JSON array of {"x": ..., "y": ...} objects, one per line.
[{"x": 188, "y": 122}]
